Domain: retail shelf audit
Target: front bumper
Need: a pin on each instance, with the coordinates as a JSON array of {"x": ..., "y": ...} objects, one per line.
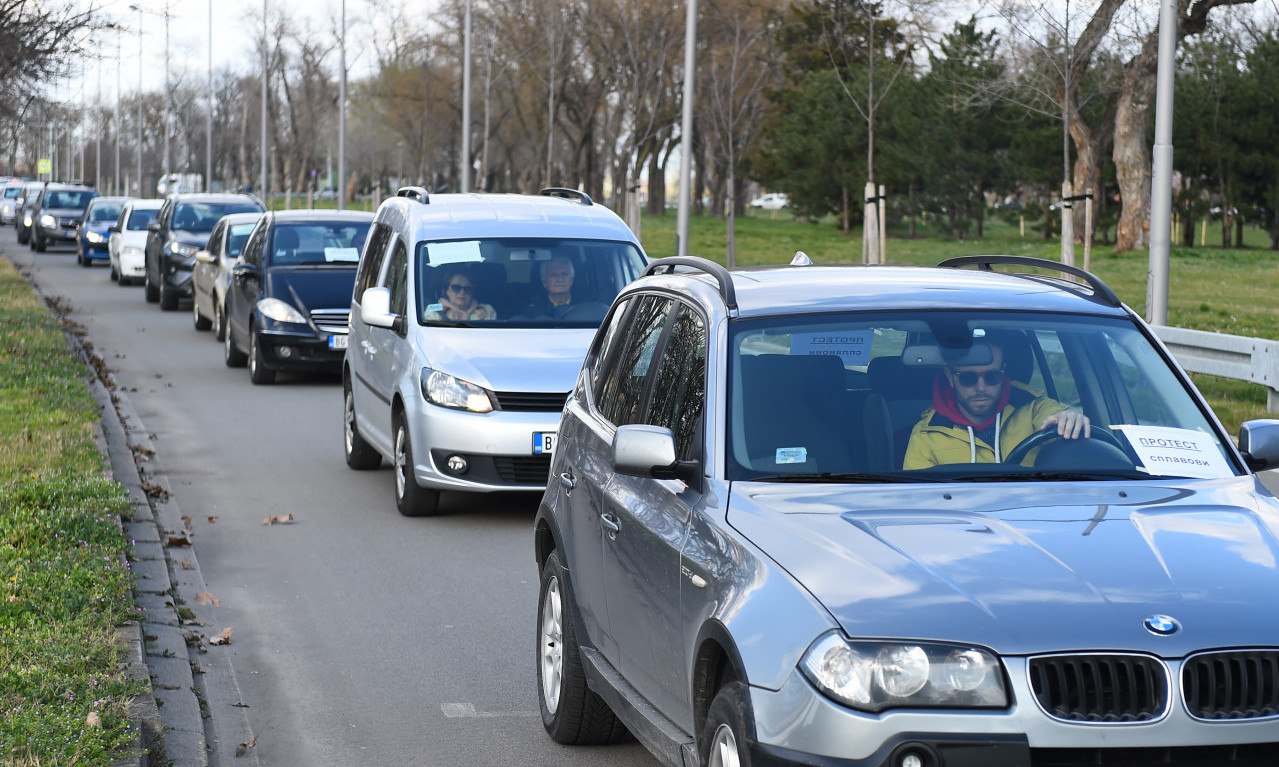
[
  {"x": 133, "y": 263},
  {"x": 798, "y": 725},
  {"x": 498, "y": 447},
  {"x": 177, "y": 275},
  {"x": 283, "y": 350},
  {"x": 57, "y": 234}
]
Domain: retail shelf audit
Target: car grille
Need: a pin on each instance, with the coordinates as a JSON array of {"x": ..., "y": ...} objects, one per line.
[
  {"x": 1100, "y": 688},
  {"x": 332, "y": 320},
  {"x": 68, "y": 223},
  {"x": 523, "y": 470},
  {"x": 1243, "y": 755},
  {"x": 1232, "y": 685},
  {"x": 530, "y": 401}
]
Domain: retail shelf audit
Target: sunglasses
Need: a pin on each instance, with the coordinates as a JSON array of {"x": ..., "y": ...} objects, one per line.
[
  {"x": 462, "y": 288},
  {"x": 968, "y": 378}
]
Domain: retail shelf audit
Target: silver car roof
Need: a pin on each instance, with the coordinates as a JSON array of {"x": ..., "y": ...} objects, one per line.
[{"x": 468, "y": 216}]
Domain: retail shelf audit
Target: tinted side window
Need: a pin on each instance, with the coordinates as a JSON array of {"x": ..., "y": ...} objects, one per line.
[
  {"x": 621, "y": 398},
  {"x": 397, "y": 276},
  {"x": 253, "y": 249},
  {"x": 371, "y": 262},
  {"x": 679, "y": 390},
  {"x": 215, "y": 239},
  {"x": 605, "y": 341}
]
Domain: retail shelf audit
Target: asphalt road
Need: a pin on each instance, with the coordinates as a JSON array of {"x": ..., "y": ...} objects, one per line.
[{"x": 360, "y": 637}]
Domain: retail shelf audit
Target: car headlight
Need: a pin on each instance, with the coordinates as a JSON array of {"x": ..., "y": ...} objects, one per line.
[
  {"x": 274, "y": 308},
  {"x": 48, "y": 221},
  {"x": 874, "y": 676},
  {"x": 178, "y": 249},
  {"x": 446, "y": 391},
  {"x": 94, "y": 237},
  {"x": 131, "y": 250},
  {"x": 26, "y": 221}
]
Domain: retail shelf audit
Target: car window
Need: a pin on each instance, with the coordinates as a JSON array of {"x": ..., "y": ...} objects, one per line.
[
  {"x": 68, "y": 199},
  {"x": 202, "y": 216},
  {"x": 215, "y": 239},
  {"x": 679, "y": 388},
  {"x": 320, "y": 242},
  {"x": 107, "y": 211},
  {"x": 237, "y": 235},
  {"x": 604, "y": 342},
  {"x": 11, "y": 192},
  {"x": 252, "y": 253},
  {"x": 139, "y": 218},
  {"x": 373, "y": 258},
  {"x": 397, "y": 275},
  {"x": 621, "y": 395},
  {"x": 526, "y": 281}
]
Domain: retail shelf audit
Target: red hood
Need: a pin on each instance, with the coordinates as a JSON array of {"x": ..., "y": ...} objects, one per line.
[{"x": 945, "y": 405}]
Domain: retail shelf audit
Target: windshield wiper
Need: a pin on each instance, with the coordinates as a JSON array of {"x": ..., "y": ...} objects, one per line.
[
  {"x": 851, "y": 478},
  {"x": 1061, "y": 476}
]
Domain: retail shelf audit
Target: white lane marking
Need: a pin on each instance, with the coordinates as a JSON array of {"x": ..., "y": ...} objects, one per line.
[{"x": 468, "y": 711}]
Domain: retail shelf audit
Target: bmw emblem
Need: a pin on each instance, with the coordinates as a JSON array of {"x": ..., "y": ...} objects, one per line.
[{"x": 1161, "y": 625}]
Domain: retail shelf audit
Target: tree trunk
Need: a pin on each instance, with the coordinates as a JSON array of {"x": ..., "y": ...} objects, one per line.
[
  {"x": 656, "y": 186},
  {"x": 1132, "y": 149},
  {"x": 848, "y": 224},
  {"x": 910, "y": 196},
  {"x": 1048, "y": 220},
  {"x": 730, "y": 216},
  {"x": 1238, "y": 231},
  {"x": 1188, "y": 228}
]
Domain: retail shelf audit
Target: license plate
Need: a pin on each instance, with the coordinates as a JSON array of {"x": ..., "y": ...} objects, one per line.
[
  {"x": 543, "y": 442},
  {"x": 337, "y": 342}
]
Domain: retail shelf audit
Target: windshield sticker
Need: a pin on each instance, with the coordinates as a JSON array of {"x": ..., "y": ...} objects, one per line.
[
  {"x": 435, "y": 307},
  {"x": 452, "y": 252},
  {"x": 346, "y": 255},
  {"x": 791, "y": 455},
  {"x": 851, "y": 347},
  {"x": 1178, "y": 452}
]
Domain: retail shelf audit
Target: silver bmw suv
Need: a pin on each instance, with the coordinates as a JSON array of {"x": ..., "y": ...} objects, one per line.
[
  {"x": 903, "y": 517},
  {"x": 469, "y": 321}
]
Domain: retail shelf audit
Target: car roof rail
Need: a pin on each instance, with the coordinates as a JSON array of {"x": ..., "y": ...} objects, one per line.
[
  {"x": 721, "y": 275},
  {"x": 418, "y": 193},
  {"x": 570, "y": 194},
  {"x": 1099, "y": 288}
]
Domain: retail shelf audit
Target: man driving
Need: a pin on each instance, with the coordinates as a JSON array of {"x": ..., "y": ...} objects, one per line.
[
  {"x": 979, "y": 416},
  {"x": 557, "y": 279}
]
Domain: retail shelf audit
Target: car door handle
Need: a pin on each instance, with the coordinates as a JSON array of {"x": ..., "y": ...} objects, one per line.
[
  {"x": 568, "y": 482},
  {"x": 611, "y": 525}
]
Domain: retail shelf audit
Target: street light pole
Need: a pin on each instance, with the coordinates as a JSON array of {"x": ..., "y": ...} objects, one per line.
[
  {"x": 265, "y": 192},
  {"x": 342, "y": 118},
  {"x": 138, "y": 127},
  {"x": 466, "y": 103},
  {"x": 1161, "y": 173},
  {"x": 208, "y": 144},
  {"x": 168, "y": 97},
  {"x": 118, "y": 62},
  {"x": 686, "y": 131}
]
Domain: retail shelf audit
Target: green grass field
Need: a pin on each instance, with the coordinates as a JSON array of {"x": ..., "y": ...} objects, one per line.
[{"x": 1226, "y": 291}]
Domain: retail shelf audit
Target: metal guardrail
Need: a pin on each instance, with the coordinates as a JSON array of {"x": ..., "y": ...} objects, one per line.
[{"x": 1237, "y": 357}]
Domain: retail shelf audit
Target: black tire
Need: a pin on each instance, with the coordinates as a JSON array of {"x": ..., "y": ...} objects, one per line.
[
  {"x": 360, "y": 455},
  {"x": 259, "y": 373},
  {"x": 219, "y": 322},
  {"x": 199, "y": 321},
  {"x": 727, "y": 732},
  {"x": 24, "y": 236},
  {"x": 411, "y": 499},
  {"x": 38, "y": 243},
  {"x": 231, "y": 353},
  {"x": 79, "y": 257},
  {"x": 150, "y": 292},
  {"x": 571, "y": 713},
  {"x": 168, "y": 299},
  {"x": 115, "y": 276}
]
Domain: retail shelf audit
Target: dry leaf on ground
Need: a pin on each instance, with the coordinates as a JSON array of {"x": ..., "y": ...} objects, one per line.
[
  {"x": 183, "y": 539},
  {"x": 222, "y": 637},
  {"x": 205, "y": 598},
  {"x": 93, "y": 720},
  {"x": 282, "y": 520},
  {"x": 243, "y": 748}
]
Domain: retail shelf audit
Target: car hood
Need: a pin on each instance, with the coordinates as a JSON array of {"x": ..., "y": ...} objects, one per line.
[
  {"x": 62, "y": 212},
  {"x": 1027, "y": 568},
  {"x": 194, "y": 239},
  {"x": 508, "y": 359},
  {"x": 311, "y": 287},
  {"x": 100, "y": 227}
]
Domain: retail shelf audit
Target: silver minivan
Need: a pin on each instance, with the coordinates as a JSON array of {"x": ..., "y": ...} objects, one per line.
[{"x": 470, "y": 319}]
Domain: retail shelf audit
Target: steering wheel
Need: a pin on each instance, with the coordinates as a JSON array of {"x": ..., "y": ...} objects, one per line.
[
  {"x": 588, "y": 311},
  {"x": 1044, "y": 436}
]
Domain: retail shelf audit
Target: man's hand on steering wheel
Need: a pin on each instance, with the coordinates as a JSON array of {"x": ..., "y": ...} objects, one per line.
[{"x": 1070, "y": 424}]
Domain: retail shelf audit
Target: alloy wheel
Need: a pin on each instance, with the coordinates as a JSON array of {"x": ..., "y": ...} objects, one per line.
[
  {"x": 551, "y": 646},
  {"x": 724, "y": 748}
]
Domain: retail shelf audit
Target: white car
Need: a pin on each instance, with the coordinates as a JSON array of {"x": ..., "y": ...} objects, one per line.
[
  {"x": 771, "y": 201},
  {"x": 129, "y": 238}
]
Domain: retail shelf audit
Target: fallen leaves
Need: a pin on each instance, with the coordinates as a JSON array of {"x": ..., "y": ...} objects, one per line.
[
  {"x": 93, "y": 720},
  {"x": 222, "y": 637},
  {"x": 243, "y": 748},
  {"x": 180, "y": 539},
  {"x": 286, "y": 519},
  {"x": 205, "y": 598}
]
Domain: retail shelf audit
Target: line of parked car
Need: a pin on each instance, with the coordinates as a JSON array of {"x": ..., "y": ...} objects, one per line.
[{"x": 790, "y": 515}]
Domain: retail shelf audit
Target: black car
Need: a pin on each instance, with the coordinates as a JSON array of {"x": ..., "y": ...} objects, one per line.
[
  {"x": 289, "y": 301},
  {"x": 182, "y": 229},
  {"x": 55, "y": 219}
]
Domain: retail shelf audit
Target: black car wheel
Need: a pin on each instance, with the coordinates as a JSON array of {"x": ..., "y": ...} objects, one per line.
[
  {"x": 24, "y": 236},
  {"x": 199, "y": 320},
  {"x": 168, "y": 298},
  {"x": 150, "y": 291},
  {"x": 259, "y": 373},
  {"x": 37, "y": 242},
  {"x": 571, "y": 713},
  {"x": 231, "y": 353},
  {"x": 115, "y": 275},
  {"x": 79, "y": 257},
  {"x": 723, "y": 740},
  {"x": 411, "y": 499},
  {"x": 360, "y": 455},
  {"x": 219, "y": 321}
]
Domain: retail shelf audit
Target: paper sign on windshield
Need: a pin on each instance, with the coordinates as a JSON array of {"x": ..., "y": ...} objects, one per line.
[
  {"x": 1180, "y": 452},
  {"x": 853, "y": 347},
  {"x": 351, "y": 255}
]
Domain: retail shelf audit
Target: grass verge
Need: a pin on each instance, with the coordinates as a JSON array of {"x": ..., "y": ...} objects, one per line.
[
  {"x": 1232, "y": 291},
  {"x": 64, "y": 584}
]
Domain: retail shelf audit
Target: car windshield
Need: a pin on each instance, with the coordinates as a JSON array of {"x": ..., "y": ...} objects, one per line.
[
  {"x": 139, "y": 219},
  {"x": 105, "y": 212},
  {"x": 68, "y": 199},
  {"x": 12, "y": 191},
  {"x": 522, "y": 282},
  {"x": 318, "y": 242},
  {"x": 202, "y": 216},
  {"x": 950, "y": 396},
  {"x": 236, "y": 237}
]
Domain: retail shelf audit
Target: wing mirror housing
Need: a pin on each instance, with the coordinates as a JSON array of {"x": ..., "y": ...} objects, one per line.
[
  {"x": 641, "y": 450},
  {"x": 205, "y": 257},
  {"x": 1259, "y": 443},
  {"x": 375, "y": 310}
]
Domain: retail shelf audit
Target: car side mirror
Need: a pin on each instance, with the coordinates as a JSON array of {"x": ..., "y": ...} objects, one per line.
[
  {"x": 205, "y": 257},
  {"x": 113, "y": 229},
  {"x": 242, "y": 271},
  {"x": 641, "y": 450},
  {"x": 1259, "y": 443},
  {"x": 375, "y": 310},
  {"x": 153, "y": 226}
]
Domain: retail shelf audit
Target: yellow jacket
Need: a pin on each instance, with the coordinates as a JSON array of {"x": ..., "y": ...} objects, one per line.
[{"x": 937, "y": 440}]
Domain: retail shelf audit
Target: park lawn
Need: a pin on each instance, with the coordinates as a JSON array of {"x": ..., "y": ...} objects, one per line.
[
  {"x": 64, "y": 582},
  {"x": 1232, "y": 291}
]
